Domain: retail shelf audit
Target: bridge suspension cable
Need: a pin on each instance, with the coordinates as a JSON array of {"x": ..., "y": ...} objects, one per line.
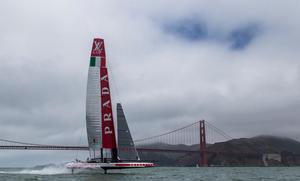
[
  {"x": 156, "y": 136},
  {"x": 187, "y": 135}
]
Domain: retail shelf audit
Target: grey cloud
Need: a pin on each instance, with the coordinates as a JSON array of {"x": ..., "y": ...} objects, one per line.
[
  {"x": 195, "y": 30},
  {"x": 162, "y": 81}
]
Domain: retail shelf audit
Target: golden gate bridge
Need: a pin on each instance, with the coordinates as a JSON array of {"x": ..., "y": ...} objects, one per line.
[{"x": 190, "y": 139}]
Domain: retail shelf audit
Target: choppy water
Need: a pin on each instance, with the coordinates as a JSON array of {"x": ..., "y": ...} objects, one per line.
[{"x": 59, "y": 173}]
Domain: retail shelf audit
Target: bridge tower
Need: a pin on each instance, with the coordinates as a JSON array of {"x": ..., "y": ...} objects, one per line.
[{"x": 203, "y": 157}]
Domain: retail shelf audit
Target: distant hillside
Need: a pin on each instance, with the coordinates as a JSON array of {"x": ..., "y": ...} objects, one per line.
[
  {"x": 259, "y": 144},
  {"x": 171, "y": 158},
  {"x": 250, "y": 152},
  {"x": 256, "y": 151}
]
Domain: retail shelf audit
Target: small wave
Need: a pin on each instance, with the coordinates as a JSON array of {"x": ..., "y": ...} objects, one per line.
[{"x": 48, "y": 170}]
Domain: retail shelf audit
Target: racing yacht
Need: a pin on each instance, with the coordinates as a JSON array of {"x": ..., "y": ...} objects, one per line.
[{"x": 104, "y": 150}]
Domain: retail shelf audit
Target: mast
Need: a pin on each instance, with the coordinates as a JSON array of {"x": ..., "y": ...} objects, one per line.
[{"x": 107, "y": 122}]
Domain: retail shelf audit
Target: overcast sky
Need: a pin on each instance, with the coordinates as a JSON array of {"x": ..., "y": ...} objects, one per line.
[{"x": 232, "y": 63}]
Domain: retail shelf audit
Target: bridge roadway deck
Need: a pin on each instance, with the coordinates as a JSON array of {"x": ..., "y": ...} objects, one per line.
[
  {"x": 42, "y": 147},
  {"x": 81, "y": 148},
  {"x": 85, "y": 148}
]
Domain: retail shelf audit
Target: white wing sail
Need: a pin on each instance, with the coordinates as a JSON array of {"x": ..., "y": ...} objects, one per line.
[{"x": 93, "y": 108}]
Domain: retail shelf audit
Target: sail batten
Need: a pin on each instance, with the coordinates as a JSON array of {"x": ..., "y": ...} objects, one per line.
[{"x": 93, "y": 112}]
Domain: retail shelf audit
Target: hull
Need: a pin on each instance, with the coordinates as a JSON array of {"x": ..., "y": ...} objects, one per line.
[{"x": 107, "y": 166}]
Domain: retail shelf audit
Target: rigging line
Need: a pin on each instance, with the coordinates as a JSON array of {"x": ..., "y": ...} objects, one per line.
[
  {"x": 166, "y": 133},
  {"x": 79, "y": 143},
  {"x": 114, "y": 84}
]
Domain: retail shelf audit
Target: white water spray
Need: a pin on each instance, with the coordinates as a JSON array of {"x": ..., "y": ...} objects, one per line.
[{"x": 44, "y": 170}]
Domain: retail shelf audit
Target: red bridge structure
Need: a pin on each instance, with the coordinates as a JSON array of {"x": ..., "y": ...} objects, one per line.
[{"x": 190, "y": 139}]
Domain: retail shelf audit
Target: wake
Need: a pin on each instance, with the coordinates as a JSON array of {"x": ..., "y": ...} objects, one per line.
[{"x": 40, "y": 170}]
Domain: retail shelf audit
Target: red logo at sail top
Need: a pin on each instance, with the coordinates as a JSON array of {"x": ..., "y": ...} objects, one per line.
[{"x": 98, "y": 48}]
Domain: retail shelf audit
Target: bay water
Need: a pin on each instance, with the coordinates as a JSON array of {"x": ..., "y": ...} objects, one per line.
[{"x": 60, "y": 173}]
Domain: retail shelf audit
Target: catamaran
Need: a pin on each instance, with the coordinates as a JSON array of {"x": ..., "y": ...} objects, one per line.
[{"x": 104, "y": 150}]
